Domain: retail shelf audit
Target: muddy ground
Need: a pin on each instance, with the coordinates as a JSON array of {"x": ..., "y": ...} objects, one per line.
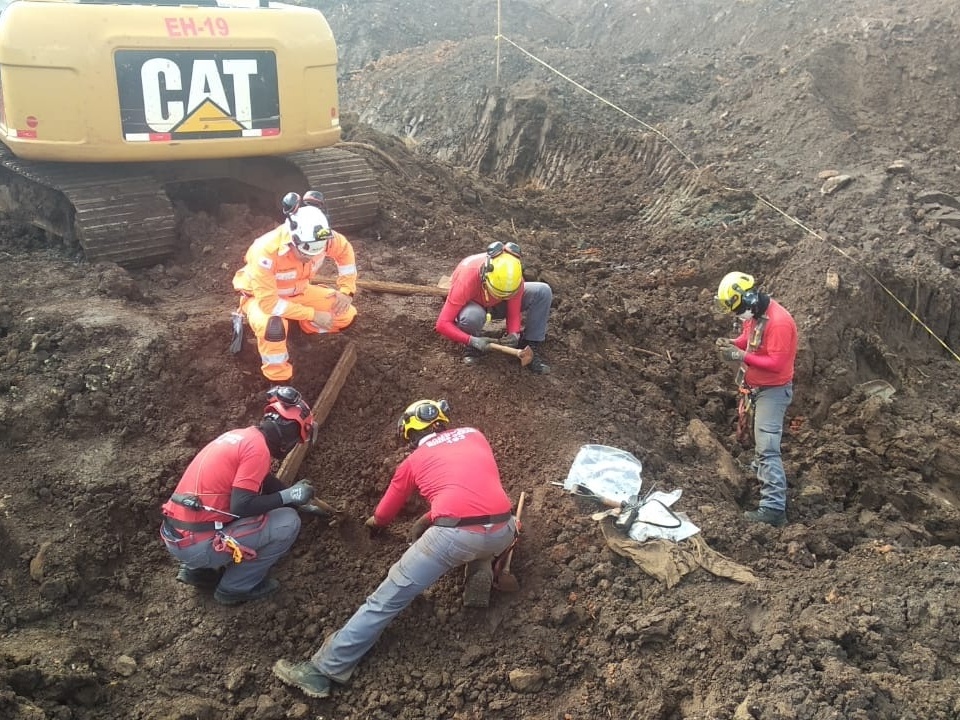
[{"x": 735, "y": 114}]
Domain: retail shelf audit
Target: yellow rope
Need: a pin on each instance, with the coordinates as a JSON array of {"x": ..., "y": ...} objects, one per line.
[{"x": 759, "y": 197}]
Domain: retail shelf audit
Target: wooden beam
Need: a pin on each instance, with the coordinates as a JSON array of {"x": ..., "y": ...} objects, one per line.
[
  {"x": 321, "y": 408},
  {"x": 394, "y": 288}
]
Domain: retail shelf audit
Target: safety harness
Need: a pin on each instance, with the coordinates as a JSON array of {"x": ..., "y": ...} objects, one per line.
[
  {"x": 747, "y": 393},
  {"x": 222, "y": 542}
]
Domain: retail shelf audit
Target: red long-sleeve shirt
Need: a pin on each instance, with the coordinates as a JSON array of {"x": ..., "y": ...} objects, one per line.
[
  {"x": 771, "y": 364},
  {"x": 466, "y": 286},
  {"x": 455, "y": 471},
  {"x": 236, "y": 459}
]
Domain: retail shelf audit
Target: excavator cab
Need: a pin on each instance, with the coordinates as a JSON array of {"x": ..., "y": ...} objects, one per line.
[{"x": 106, "y": 108}]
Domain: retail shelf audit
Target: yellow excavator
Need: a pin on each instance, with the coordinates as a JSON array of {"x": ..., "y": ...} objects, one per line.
[{"x": 107, "y": 109}]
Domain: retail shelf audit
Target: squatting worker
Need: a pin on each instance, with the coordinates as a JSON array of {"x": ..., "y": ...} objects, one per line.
[
  {"x": 492, "y": 282},
  {"x": 275, "y": 282},
  {"x": 229, "y": 511},
  {"x": 469, "y": 522},
  {"x": 766, "y": 350}
]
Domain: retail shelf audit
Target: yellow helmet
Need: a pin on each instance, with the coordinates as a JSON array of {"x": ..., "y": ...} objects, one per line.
[
  {"x": 502, "y": 273},
  {"x": 421, "y": 415},
  {"x": 737, "y": 292}
]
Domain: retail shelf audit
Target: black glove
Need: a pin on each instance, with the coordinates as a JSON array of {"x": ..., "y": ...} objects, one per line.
[
  {"x": 479, "y": 343},
  {"x": 510, "y": 340},
  {"x": 298, "y": 494}
]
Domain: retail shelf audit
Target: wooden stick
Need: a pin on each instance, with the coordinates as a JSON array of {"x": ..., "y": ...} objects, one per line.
[
  {"x": 321, "y": 408},
  {"x": 506, "y": 564},
  {"x": 394, "y": 288}
]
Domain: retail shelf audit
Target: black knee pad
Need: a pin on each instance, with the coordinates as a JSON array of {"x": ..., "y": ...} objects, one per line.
[{"x": 275, "y": 331}]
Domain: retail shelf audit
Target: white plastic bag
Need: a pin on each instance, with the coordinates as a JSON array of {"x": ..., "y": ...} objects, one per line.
[{"x": 606, "y": 471}]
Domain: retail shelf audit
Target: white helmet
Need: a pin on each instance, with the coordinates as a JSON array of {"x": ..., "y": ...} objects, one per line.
[{"x": 309, "y": 230}]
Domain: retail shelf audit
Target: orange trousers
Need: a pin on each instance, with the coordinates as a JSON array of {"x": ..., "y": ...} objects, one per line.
[{"x": 274, "y": 358}]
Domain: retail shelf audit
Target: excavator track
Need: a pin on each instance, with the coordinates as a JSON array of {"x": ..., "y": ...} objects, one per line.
[
  {"x": 347, "y": 183},
  {"x": 119, "y": 212}
]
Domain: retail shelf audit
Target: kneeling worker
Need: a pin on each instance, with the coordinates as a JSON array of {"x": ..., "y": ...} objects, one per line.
[{"x": 275, "y": 288}]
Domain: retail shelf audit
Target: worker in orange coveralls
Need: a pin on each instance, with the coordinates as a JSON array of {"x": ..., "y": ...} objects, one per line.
[
  {"x": 275, "y": 282},
  {"x": 469, "y": 523}
]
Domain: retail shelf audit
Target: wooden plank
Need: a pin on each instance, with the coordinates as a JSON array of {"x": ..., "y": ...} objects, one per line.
[
  {"x": 385, "y": 286},
  {"x": 321, "y": 408}
]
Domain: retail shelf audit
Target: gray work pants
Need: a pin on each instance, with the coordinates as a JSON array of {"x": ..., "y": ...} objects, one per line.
[
  {"x": 271, "y": 535},
  {"x": 535, "y": 306},
  {"x": 438, "y": 550}
]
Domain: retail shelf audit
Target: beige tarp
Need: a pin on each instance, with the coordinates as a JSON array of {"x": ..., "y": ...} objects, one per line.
[{"x": 668, "y": 561}]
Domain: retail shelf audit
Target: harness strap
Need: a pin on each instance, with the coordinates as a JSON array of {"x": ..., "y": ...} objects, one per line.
[
  {"x": 478, "y": 520},
  {"x": 192, "y": 526}
]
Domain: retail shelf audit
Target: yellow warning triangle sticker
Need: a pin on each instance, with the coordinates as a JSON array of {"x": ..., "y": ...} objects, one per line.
[{"x": 208, "y": 117}]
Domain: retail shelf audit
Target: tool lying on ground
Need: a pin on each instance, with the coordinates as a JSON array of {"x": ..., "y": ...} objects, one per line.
[
  {"x": 628, "y": 511},
  {"x": 525, "y": 355},
  {"x": 503, "y": 579},
  {"x": 318, "y": 507}
]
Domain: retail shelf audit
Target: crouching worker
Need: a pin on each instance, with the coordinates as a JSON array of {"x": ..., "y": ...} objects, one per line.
[
  {"x": 490, "y": 286},
  {"x": 274, "y": 284},
  {"x": 469, "y": 522},
  {"x": 229, "y": 511}
]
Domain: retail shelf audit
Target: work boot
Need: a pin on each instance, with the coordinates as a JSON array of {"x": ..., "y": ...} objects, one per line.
[
  {"x": 476, "y": 587},
  {"x": 471, "y": 356},
  {"x": 199, "y": 578},
  {"x": 777, "y": 518},
  {"x": 537, "y": 365},
  {"x": 262, "y": 589},
  {"x": 304, "y": 676}
]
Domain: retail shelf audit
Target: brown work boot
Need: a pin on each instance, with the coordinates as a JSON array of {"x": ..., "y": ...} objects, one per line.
[{"x": 476, "y": 587}]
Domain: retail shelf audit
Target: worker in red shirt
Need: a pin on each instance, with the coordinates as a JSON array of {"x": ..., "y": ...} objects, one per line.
[
  {"x": 229, "y": 511},
  {"x": 766, "y": 351},
  {"x": 469, "y": 522},
  {"x": 489, "y": 286},
  {"x": 275, "y": 288}
]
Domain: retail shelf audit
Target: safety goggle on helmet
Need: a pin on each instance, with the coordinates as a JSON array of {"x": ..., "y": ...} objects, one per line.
[
  {"x": 310, "y": 230},
  {"x": 737, "y": 292},
  {"x": 287, "y": 408},
  {"x": 502, "y": 272},
  {"x": 420, "y": 416}
]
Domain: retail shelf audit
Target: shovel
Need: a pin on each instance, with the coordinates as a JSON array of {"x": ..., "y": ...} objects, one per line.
[
  {"x": 504, "y": 580},
  {"x": 525, "y": 356}
]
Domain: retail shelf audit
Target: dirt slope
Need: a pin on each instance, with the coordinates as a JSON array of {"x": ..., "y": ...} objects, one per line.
[{"x": 110, "y": 381}]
